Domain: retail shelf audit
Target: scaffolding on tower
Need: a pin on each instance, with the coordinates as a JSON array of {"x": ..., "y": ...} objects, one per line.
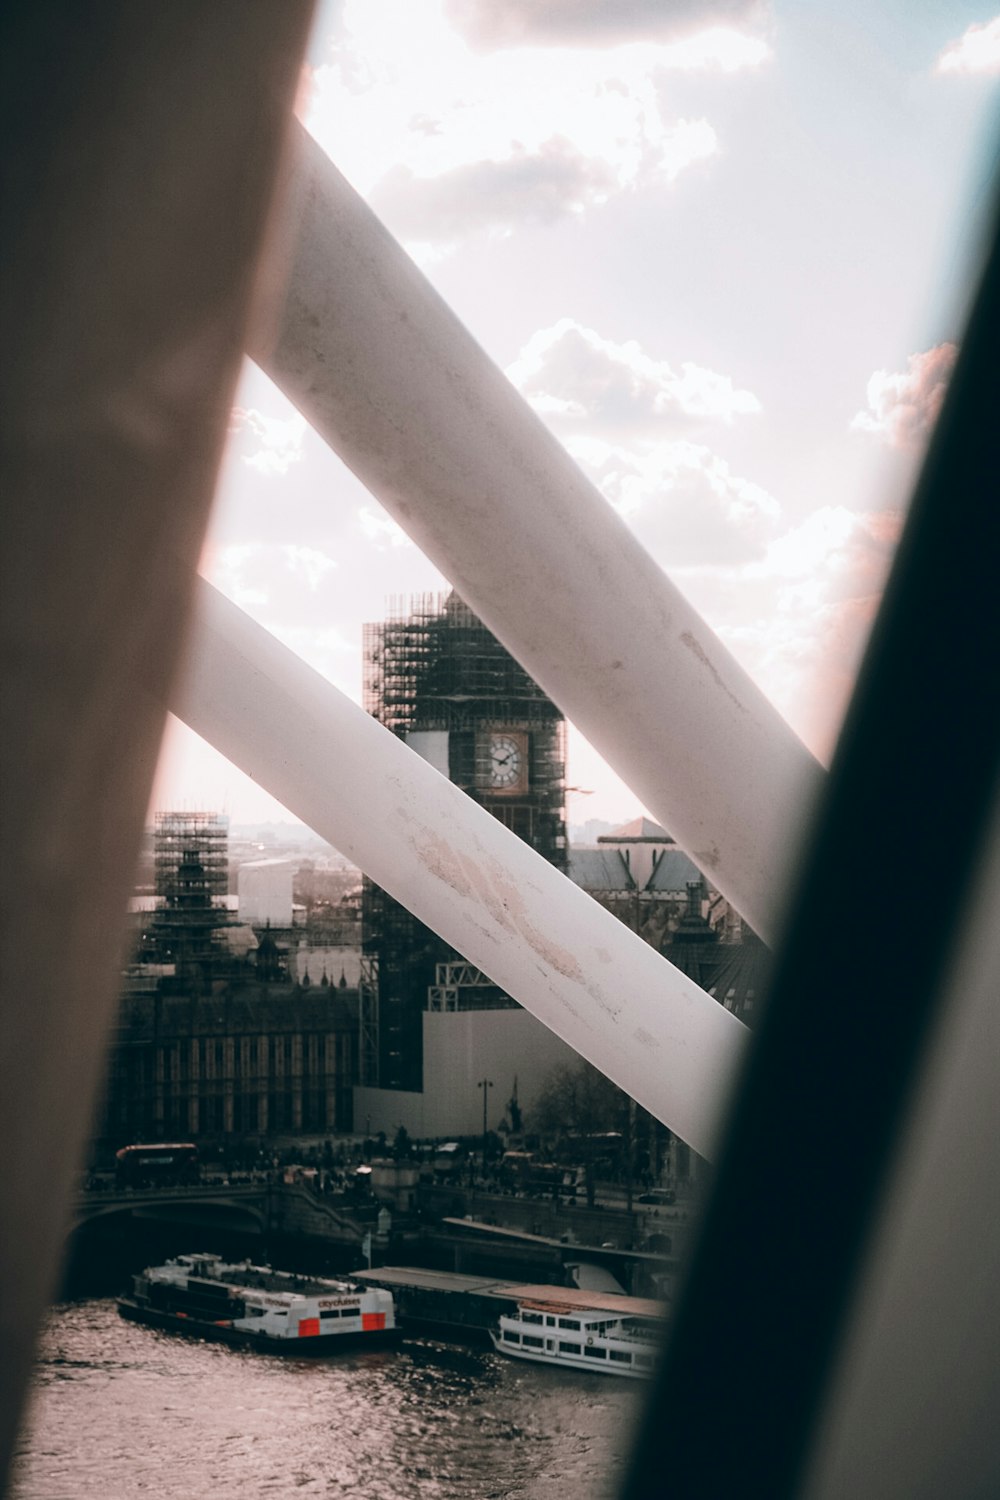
[
  {"x": 437, "y": 677},
  {"x": 191, "y": 860}
]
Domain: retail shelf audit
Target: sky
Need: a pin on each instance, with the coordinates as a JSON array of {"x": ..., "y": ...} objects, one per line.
[{"x": 723, "y": 247}]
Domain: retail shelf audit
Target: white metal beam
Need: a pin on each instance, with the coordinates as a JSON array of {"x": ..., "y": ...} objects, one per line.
[
  {"x": 542, "y": 939},
  {"x": 386, "y": 373}
]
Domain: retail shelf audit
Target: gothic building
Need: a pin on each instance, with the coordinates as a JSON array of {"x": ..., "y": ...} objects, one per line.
[
  {"x": 250, "y": 1059},
  {"x": 213, "y": 1044}
]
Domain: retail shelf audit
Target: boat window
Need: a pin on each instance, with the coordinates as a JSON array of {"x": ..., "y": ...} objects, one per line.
[
  {"x": 532, "y": 1341},
  {"x": 330, "y": 1312},
  {"x": 550, "y": 1322},
  {"x": 531, "y": 1317},
  {"x": 593, "y": 1353},
  {"x": 569, "y": 1348},
  {"x": 621, "y": 1356},
  {"x": 573, "y": 1323},
  {"x": 511, "y": 1338}
]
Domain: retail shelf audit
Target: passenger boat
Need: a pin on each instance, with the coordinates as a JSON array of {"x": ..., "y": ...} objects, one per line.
[
  {"x": 608, "y": 1340},
  {"x": 256, "y": 1307}
]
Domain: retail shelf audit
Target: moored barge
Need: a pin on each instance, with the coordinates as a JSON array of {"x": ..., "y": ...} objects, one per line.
[{"x": 255, "y": 1307}]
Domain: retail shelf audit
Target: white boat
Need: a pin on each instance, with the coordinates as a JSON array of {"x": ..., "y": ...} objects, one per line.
[
  {"x": 260, "y": 1308},
  {"x": 621, "y": 1337}
]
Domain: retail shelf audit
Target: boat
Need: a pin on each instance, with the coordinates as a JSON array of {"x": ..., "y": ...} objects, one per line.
[
  {"x": 256, "y": 1307},
  {"x": 607, "y": 1340}
]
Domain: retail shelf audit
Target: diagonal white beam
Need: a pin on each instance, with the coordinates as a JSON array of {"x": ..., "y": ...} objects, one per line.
[
  {"x": 545, "y": 941},
  {"x": 386, "y": 373}
]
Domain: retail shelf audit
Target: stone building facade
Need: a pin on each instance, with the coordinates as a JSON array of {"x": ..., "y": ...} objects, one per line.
[{"x": 242, "y": 1059}]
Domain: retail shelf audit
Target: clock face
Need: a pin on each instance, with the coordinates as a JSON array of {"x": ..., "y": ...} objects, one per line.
[{"x": 506, "y": 762}]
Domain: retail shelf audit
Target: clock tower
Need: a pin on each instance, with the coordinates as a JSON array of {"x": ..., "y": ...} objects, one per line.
[{"x": 442, "y": 681}]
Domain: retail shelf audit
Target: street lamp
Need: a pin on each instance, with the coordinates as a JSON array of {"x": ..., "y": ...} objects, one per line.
[{"x": 485, "y": 1084}]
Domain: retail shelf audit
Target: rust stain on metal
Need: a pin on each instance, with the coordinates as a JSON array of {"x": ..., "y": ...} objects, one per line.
[
  {"x": 484, "y": 880},
  {"x": 558, "y": 958},
  {"x": 697, "y": 650},
  {"x": 709, "y": 857},
  {"x": 488, "y": 882},
  {"x": 441, "y": 861},
  {"x": 613, "y": 1012},
  {"x": 480, "y": 884}
]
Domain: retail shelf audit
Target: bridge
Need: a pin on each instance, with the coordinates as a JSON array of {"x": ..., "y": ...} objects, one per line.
[{"x": 255, "y": 1208}]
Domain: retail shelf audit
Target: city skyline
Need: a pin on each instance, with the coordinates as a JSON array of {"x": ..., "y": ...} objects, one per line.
[{"x": 727, "y": 264}]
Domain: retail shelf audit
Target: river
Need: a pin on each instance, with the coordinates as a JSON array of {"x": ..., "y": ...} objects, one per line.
[{"x": 119, "y": 1410}]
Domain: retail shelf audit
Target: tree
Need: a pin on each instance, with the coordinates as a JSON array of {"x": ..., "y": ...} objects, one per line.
[
  {"x": 514, "y": 1111},
  {"x": 578, "y": 1101}
]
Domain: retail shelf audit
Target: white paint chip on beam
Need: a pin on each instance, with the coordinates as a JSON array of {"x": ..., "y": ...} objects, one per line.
[
  {"x": 386, "y": 373},
  {"x": 546, "y": 942}
]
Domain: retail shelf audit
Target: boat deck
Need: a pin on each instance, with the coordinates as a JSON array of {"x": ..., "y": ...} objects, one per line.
[
  {"x": 301, "y": 1286},
  {"x": 577, "y": 1299},
  {"x": 263, "y": 1279}
]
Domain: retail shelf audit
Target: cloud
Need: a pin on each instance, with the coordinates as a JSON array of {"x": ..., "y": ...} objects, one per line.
[
  {"x": 295, "y": 592},
  {"x": 904, "y": 405},
  {"x": 569, "y": 371},
  {"x": 829, "y": 574},
  {"x": 239, "y": 571},
  {"x": 447, "y": 141},
  {"x": 308, "y": 564},
  {"x": 683, "y": 501},
  {"x": 258, "y": 573},
  {"x": 379, "y": 527},
  {"x": 798, "y": 616},
  {"x": 835, "y": 553},
  {"x": 976, "y": 51},
  {"x": 600, "y": 23},
  {"x": 627, "y": 419},
  {"x": 271, "y": 445},
  {"x": 526, "y": 188}
]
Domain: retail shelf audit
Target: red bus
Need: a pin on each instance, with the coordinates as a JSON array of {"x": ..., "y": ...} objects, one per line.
[{"x": 166, "y": 1165}]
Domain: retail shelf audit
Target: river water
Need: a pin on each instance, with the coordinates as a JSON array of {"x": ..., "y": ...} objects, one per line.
[{"x": 119, "y": 1410}]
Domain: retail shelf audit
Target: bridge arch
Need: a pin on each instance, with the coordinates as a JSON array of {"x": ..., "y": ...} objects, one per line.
[{"x": 222, "y": 1208}]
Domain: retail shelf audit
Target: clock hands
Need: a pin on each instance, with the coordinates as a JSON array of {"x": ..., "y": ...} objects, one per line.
[{"x": 506, "y": 759}]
